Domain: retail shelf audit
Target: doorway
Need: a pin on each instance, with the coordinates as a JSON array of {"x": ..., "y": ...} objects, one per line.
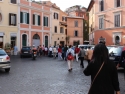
[
  {"x": 13, "y": 41},
  {"x": 24, "y": 40},
  {"x": 1, "y": 41},
  {"x": 46, "y": 41},
  {"x": 36, "y": 40},
  {"x": 62, "y": 43}
]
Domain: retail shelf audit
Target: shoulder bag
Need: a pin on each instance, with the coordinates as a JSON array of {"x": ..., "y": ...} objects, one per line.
[{"x": 96, "y": 77}]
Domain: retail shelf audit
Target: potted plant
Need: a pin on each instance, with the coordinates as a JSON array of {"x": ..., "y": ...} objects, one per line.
[{"x": 7, "y": 47}]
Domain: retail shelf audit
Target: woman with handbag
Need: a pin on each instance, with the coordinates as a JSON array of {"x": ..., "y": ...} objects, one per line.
[
  {"x": 103, "y": 72},
  {"x": 70, "y": 57}
]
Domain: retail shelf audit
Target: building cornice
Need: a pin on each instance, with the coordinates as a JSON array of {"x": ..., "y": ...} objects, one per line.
[{"x": 31, "y": 7}]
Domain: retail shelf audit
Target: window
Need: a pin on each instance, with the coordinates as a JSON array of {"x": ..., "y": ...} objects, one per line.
[
  {"x": 12, "y": 19},
  {"x": 45, "y": 19},
  {"x": 117, "y": 20},
  {"x": 36, "y": 19},
  {"x": 76, "y": 23},
  {"x": 76, "y": 34},
  {"x": 55, "y": 15},
  {"x": 101, "y": 22},
  {"x": 13, "y": 1},
  {"x": 101, "y": 5},
  {"x": 64, "y": 18},
  {"x": 117, "y": 3},
  {"x": 55, "y": 29},
  {"x": 24, "y": 17},
  {"x": 61, "y": 30}
]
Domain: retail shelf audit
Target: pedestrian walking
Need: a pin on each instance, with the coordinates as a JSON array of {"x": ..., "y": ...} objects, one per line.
[
  {"x": 89, "y": 54},
  {"x": 15, "y": 50},
  {"x": 54, "y": 51},
  {"x": 60, "y": 53},
  {"x": 82, "y": 55},
  {"x": 70, "y": 57},
  {"x": 46, "y": 51},
  {"x": 65, "y": 50},
  {"x": 50, "y": 51},
  {"x": 43, "y": 50},
  {"x": 40, "y": 50},
  {"x": 103, "y": 72},
  {"x": 77, "y": 50}
]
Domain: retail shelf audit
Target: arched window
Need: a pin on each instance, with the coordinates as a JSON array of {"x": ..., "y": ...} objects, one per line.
[{"x": 36, "y": 36}]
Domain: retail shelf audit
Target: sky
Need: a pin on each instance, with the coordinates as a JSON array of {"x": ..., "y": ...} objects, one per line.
[{"x": 63, "y": 4}]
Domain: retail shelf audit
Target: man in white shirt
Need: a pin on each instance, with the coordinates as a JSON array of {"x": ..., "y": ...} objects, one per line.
[
  {"x": 50, "y": 51},
  {"x": 54, "y": 52}
]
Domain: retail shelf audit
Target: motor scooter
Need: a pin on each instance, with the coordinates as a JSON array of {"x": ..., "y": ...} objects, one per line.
[{"x": 34, "y": 54}]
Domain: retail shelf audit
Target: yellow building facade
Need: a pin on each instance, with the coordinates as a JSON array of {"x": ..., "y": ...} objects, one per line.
[
  {"x": 58, "y": 26},
  {"x": 8, "y": 22},
  {"x": 91, "y": 10}
]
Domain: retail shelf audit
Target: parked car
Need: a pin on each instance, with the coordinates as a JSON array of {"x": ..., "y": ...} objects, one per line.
[
  {"x": 85, "y": 46},
  {"x": 26, "y": 51},
  {"x": 4, "y": 61},
  {"x": 115, "y": 54}
]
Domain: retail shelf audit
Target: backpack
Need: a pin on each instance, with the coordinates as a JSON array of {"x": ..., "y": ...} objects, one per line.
[{"x": 70, "y": 57}]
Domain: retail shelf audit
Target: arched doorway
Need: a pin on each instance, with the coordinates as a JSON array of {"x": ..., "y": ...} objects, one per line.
[
  {"x": 36, "y": 40},
  {"x": 117, "y": 40},
  {"x": 46, "y": 41},
  {"x": 24, "y": 40}
]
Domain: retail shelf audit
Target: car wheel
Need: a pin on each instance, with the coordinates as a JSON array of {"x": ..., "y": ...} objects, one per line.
[{"x": 7, "y": 70}]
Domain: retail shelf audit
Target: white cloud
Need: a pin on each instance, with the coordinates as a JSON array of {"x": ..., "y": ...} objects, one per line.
[{"x": 63, "y": 4}]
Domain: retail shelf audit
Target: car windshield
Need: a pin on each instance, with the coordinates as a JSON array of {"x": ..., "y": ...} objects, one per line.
[
  {"x": 2, "y": 52},
  {"x": 26, "y": 48},
  {"x": 115, "y": 50}
]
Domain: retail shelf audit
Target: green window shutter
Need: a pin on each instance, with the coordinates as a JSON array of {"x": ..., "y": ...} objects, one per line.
[
  {"x": 9, "y": 18},
  {"x": 47, "y": 21},
  {"x": 33, "y": 19},
  {"x": 38, "y": 19},
  {"x": 44, "y": 21},
  {"x": 27, "y": 18},
  {"x": 21, "y": 17},
  {"x": 15, "y": 19}
]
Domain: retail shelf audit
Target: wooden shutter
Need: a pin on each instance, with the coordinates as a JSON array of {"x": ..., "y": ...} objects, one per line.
[
  {"x": 27, "y": 18},
  {"x": 38, "y": 19},
  {"x": 44, "y": 21},
  {"x": 9, "y": 18},
  {"x": 33, "y": 19},
  {"x": 54, "y": 15},
  {"x": 47, "y": 20},
  {"x": 15, "y": 19},
  {"x": 21, "y": 17},
  {"x": 57, "y": 16}
]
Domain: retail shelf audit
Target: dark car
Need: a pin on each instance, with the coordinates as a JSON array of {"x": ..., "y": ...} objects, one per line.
[
  {"x": 115, "y": 54},
  {"x": 26, "y": 52}
]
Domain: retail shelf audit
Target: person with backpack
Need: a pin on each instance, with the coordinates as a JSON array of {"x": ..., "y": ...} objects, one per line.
[
  {"x": 65, "y": 50},
  {"x": 77, "y": 52},
  {"x": 70, "y": 57},
  {"x": 82, "y": 55}
]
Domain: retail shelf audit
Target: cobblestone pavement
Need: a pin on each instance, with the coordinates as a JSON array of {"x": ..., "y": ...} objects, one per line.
[{"x": 46, "y": 76}]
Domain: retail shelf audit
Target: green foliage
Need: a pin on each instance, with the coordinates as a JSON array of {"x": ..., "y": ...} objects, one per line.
[
  {"x": 85, "y": 30},
  {"x": 7, "y": 46}
]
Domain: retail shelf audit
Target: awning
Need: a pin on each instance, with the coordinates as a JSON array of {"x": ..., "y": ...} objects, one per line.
[
  {"x": 13, "y": 34},
  {"x": 1, "y": 34}
]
